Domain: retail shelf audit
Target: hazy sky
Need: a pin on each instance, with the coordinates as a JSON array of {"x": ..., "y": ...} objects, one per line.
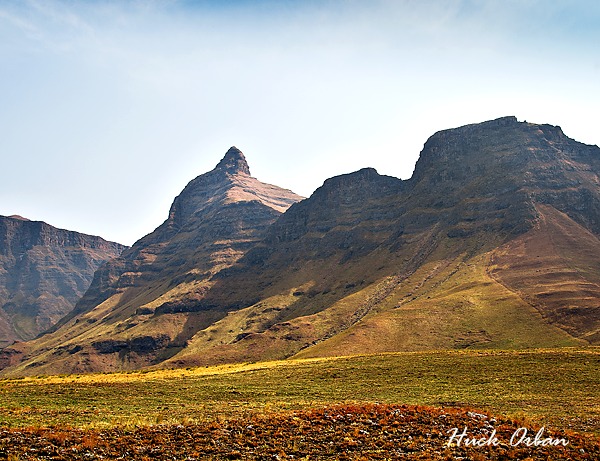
[{"x": 109, "y": 108}]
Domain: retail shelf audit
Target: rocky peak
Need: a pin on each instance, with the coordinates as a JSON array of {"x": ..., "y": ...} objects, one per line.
[
  {"x": 229, "y": 182},
  {"x": 338, "y": 202},
  {"x": 359, "y": 185},
  {"x": 234, "y": 162},
  {"x": 502, "y": 121},
  {"x": 495, "y": 148},
  {"x": 459, "y": 155}
]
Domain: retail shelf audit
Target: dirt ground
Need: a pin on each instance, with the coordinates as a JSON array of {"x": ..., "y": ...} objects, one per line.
[{"x": 371, "y": 432}]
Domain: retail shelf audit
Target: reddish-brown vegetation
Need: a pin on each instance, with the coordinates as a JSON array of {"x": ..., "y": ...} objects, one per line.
[{"x": 339, "y": 432}]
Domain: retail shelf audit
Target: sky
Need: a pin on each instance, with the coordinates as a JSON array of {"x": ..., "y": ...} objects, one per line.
[{"x": 109, "y": 108}]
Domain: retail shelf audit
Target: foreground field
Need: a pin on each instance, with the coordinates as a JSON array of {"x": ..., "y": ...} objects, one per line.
[{"x": 558, "y": 389}]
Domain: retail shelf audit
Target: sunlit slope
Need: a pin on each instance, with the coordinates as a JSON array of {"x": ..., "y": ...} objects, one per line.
[
  {"x": 447, "y": 303},
  {"x": 556, "y": 268}
]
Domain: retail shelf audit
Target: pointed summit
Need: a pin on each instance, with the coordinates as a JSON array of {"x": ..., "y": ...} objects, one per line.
[{"x": 234, "y": 162}]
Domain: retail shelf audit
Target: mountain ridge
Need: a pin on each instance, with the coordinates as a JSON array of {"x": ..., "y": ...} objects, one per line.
[
  {"x": 44, "y": 270},
  {"x": 368, "y": 263}
]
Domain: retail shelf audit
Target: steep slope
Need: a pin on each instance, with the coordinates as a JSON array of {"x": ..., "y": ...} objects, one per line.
[
  {"x": 141, "y": 306},
  {"x": 43, "y": 272},
  {"x": 555, "y": 267}
]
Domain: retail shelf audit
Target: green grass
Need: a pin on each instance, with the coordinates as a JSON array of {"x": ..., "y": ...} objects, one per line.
[{"x": 559, "y": 388}]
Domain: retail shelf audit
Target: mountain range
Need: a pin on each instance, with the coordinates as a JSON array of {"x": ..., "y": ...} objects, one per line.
[{"x": 492, "y": 243}]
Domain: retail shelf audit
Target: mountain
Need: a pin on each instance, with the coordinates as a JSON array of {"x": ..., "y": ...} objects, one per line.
[
  {"x": 43, "y": 272},
  {"x": 492, "y": 243},
  {"x": 374, "y": 264},
  {"x": 140, "y": 307}
]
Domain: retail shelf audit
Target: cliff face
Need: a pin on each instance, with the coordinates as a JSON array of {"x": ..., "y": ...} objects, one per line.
[
  {"x": 494, "y": 242},
  {"x": 490, "y": 174},
  {"x": 43, "y": 272}
]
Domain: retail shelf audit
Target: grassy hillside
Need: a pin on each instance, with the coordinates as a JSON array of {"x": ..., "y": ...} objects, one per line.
[
  {"x": 555, "y": 268},
  {"x": 449, "y": 302}
]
